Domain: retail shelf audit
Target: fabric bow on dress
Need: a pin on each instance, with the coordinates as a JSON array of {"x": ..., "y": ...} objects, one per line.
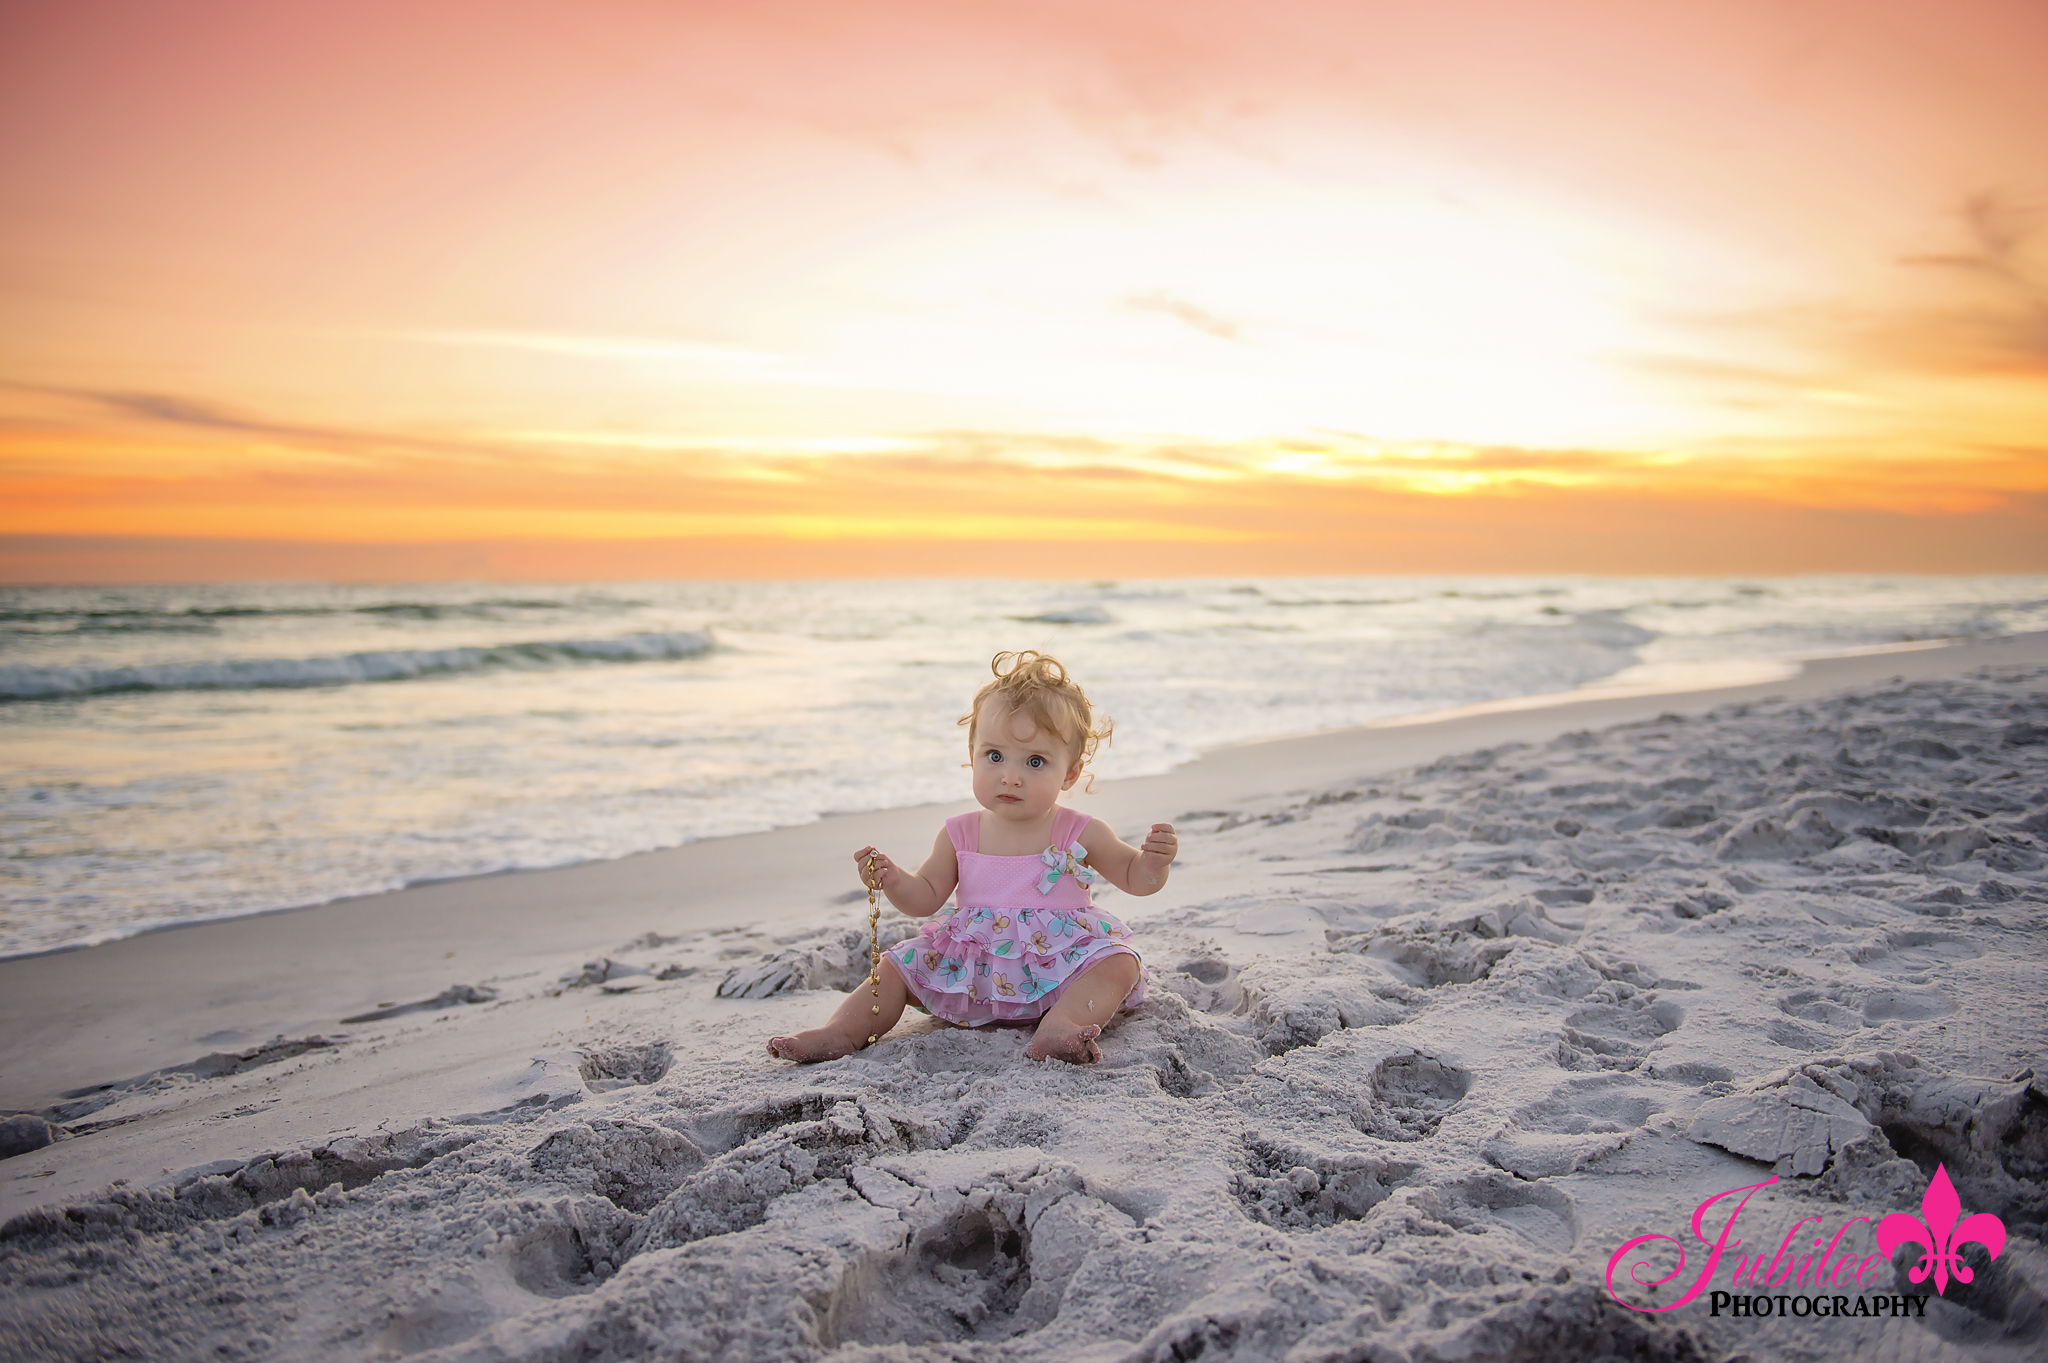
[{"x": 1061, "y": 861}]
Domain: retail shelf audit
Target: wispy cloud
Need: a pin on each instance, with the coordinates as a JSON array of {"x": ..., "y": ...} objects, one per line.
[
  {"x": 178, "y": 411},
  {"x": 1976, "y": 310},
  {"x": 1163, "y": 304},
  {"x": 207, "y": 417},
  {"x": 1999, "y": 230},
  {"x": 1999, "y": 320},
  {"x": 600, "y": 347},
  {"x": 1701, "y": 369},
  {"x": 658, "y": 441}
]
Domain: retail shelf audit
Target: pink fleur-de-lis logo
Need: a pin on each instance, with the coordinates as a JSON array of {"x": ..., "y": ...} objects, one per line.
[{"x": 1939, "y": 1234}]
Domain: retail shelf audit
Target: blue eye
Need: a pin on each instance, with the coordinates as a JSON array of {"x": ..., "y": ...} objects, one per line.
[
  {"x": 994, "y": 756},
  {"x": 1037, "y": 761}
]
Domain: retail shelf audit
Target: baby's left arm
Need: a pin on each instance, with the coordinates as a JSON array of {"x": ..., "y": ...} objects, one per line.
[{"x": 1134, "y": 870}]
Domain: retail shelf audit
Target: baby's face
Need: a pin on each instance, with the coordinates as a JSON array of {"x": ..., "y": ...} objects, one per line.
[{"x": 1019, "y": 770}]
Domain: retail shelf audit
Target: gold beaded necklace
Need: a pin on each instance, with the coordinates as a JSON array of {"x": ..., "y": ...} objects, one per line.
[{"x": 874, "y": 939}]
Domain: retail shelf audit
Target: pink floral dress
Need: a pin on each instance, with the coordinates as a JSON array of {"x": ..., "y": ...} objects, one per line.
[{"x": 1022, "y": 927}]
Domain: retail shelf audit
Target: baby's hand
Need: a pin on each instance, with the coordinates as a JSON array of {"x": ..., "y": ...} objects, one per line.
[
  {"x": 885, "y": 873},
  {"x": 1160, "y": 848}
]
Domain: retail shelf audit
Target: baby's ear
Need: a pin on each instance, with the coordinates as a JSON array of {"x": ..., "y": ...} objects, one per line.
[{"x": 1073, "y": 775}]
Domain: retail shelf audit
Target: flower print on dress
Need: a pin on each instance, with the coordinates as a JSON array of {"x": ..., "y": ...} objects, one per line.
[
  {"x": 952, "y": 970},
  {"x": 1005, "y": 988},
  {"x": 1036, "y": 986},
  {"x": 1040, "y": 945}
]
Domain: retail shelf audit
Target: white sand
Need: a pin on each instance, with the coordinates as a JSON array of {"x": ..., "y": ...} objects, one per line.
[{"x": 1427, "y": 1045}]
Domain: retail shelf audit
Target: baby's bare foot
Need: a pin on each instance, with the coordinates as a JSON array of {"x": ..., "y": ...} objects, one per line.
[
  {"x": 820, "y": 1043},
  {"x": 1075, "y": 1045}
]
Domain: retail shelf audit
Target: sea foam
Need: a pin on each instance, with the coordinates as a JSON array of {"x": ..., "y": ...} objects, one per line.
[{"x": 41, "y": 683}]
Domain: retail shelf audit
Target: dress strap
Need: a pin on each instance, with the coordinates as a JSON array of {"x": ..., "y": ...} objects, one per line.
[
  {"x": 965, "y": 831},
  {"x": 1068, "y": 827}
]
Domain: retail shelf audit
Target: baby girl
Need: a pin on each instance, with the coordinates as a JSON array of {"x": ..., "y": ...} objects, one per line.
[{"x": 1025, "y": 939}]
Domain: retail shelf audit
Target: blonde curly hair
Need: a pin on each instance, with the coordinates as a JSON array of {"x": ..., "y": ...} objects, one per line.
[{"x": 1038, "y": 685}]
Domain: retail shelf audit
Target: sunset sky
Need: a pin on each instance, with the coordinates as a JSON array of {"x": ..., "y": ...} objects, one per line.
[{"x": 374, "y": 289}]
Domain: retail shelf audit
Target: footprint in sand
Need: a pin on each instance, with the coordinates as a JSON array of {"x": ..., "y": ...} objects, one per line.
[
  {"x": 631, "y": 1164},
  {"x": 1288, "y": 1186},
  {"x": 1412, "y": 1093},
  {"x": 1209, "y": 984},
  {"x": 1845, "y": 1008},
  {"x": 1616, "y": 1036},
  {"x": 1542, "y": 1215},
  {"x": 1912, "y": 951},
  {"x": 606, "y": 1068},
  {"x": 1584, "y": 1118}
]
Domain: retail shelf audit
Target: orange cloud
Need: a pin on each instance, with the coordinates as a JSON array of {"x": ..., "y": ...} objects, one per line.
[{"x": 168, "y": 469}]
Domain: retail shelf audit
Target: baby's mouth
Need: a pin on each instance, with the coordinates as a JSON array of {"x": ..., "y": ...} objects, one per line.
[{"x": 1013, "y": 799}]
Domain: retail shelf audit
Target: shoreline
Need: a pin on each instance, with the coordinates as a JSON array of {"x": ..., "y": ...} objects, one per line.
[
  {"x": 1768, "y": 675},
  {"x": 100, "y": 1013}
]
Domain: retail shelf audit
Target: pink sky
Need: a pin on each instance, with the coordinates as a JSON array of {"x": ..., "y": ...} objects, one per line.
[{"x": 700, "y": 275}]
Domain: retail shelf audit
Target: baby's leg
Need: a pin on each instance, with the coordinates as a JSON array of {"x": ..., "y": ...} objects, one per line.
[
  {"x": 851, "y": 1025},
  {"x": 1068, "y": 1030}
]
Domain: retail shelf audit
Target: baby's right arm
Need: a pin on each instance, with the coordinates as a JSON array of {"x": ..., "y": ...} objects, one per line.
[{"x": 922, "y": 893}]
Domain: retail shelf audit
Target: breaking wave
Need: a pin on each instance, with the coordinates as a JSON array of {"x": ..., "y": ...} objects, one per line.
[{"x": 21, "y": 682}]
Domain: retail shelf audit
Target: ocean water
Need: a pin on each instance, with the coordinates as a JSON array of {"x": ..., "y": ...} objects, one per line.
[{"x": 175, "y": 754}]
